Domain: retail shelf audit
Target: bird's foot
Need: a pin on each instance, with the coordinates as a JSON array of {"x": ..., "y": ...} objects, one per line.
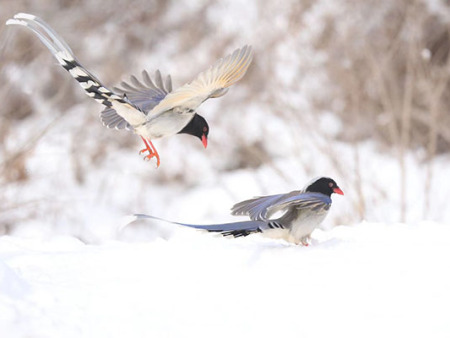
[
  {"x": 305, "y": 240},
  {"x": 150, "y": 156},
  {"x": 144, "y": 150},
  {"x": 151, "y": 152}
]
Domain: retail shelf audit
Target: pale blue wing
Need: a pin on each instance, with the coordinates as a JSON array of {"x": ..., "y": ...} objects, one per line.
[
  {"x": 261, "y": 208},
  {"x": 255, "y": 208},
  {"x": 145, "y": 94},
  {"x": 313, "y": 201}
]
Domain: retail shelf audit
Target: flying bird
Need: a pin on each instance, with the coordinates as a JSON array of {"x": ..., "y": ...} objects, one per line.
[
  {"x": 149, "y": 108},
  {"x": 302, "y": 212}
]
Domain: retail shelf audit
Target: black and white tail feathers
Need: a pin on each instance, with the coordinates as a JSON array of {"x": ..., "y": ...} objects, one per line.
[
  {"x": 235, "y": 229},
  {"x": 64, "y": 55}
]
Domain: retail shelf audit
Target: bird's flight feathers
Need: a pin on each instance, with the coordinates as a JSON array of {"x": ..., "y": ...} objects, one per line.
[
  {"x": 211, "y": 83},
  {"x": 145, "y": 94},
  {"x": 262, "y": 208}
]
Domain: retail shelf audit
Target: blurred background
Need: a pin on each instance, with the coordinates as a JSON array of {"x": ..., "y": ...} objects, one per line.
[{"x": 354, "y": 90}]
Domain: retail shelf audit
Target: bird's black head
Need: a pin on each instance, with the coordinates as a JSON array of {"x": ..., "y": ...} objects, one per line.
[
  {"x": 197, "y": 127},
  {"x": 324, "y": 185}
]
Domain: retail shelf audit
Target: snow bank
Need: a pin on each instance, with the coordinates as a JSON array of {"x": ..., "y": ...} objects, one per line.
[{"x": 368, "y": 280}]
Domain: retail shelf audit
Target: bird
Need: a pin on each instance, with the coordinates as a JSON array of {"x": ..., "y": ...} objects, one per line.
[
  {"x": 302, "y": 211},
  {"x": 149, "y": 108}
]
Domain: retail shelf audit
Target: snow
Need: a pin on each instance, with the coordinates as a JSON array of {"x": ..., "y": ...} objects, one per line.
[{"x": 370, "y": 280}]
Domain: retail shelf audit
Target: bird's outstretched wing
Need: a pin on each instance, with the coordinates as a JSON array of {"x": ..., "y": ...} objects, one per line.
[
  {"x": 145, "y": 94},
  {"x": 262, "y": 208},
  {"x": 64, "y": 55},
  {"x": 211, "y": 83},
  {"x": 256, "y": 208},
  {"x": 306, "y": 200}
]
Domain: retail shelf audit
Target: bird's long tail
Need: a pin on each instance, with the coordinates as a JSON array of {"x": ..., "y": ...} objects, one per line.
[
  {"x": 236, "y": 229},
  {"x": 62, "y": 52}
]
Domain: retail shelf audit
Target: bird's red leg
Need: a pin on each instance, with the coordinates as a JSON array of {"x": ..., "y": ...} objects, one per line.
[
  {"x": 147, "y": 147},
  {"x": 152, "y": 152}
]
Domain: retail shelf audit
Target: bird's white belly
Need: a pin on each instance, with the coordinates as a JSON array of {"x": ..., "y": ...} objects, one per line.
[
  {"x": 304, "y": 225},
  {"x": 166, "y": 124}
]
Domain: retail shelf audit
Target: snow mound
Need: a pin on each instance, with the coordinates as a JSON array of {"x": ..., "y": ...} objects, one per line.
[{"x": 367, "y": 280}]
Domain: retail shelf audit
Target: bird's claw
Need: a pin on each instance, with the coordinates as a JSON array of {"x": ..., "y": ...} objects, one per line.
[
  {"x": 151, "y": 151},
  {"x": 150, "y": 156}
]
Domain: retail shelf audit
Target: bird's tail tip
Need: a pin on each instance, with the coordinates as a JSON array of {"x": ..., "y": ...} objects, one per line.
[
  {"x": 127, "y": 220},
  {"x": 15, "y": 22},
  {"x": 19, "y": 17},
  {"x": 25, "y": 16}
]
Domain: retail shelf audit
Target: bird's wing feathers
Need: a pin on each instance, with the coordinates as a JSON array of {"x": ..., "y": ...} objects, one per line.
[
  {"x": 210, "y": 83},
  {"x": 261, "y": 208},
  {"x": 306, "y": 200},
  {"x": 145, "y": 94},
  {"x": 64, "y": 55},
  {"x": 255, "y": 208}
]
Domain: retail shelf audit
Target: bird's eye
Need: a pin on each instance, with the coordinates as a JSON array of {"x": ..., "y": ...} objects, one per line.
[
  {"x": 330, "y": 184},
  {"x": 205, "y": 129}
]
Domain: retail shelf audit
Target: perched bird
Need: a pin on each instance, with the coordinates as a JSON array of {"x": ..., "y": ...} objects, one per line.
[
  {"x": 148, "y": 108},
  {"x": 302, "y": 212}
]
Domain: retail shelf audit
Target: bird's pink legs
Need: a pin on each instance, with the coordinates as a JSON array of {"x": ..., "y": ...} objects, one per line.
[{"x": 151, "y": 151}]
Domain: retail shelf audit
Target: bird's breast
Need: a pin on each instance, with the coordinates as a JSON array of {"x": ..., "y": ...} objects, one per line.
[
  {"x": 306, "y": 222},
  {"x": 166, "y": 124}
]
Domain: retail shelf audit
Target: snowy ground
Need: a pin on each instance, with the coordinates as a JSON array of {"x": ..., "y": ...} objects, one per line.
[{"x": 367, "y": 280}]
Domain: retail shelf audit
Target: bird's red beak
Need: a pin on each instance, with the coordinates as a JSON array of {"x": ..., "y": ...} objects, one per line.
[
  {"x": 338, "y": 191},
  {"x": 204, "y": 140}
]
